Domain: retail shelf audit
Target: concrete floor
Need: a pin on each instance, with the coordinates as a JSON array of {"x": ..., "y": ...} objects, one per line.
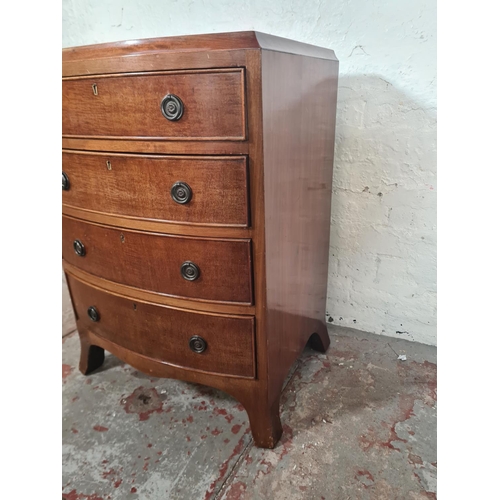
[{"x": 358, "y": 424}]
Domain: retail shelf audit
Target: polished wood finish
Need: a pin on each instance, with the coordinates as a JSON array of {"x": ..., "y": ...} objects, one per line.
[
  {"x": 173, "y": 147},
  {"x": 148, "y": 296},
  {"x": 297, "y": 188},
  {"x": 138, "y": 186},
  {"x": 225, "y": 266},
  {"x": 158, "y": 227},
  {"x": 128, "y": 106},
  {"x": 161, "y": 333},
  {"x": 226, "y": 42},
  {"x": 289, "y": 108}
]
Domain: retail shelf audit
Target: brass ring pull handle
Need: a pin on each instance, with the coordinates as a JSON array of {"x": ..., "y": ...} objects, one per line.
[
  {"x": 79, "y": 248},
  {"x": 190, "y": 271},
  {"x": 181, "y": 193},
  {"x": 65, "y": 182},
  {"x": 197, "y": 344},
  {"x": 93, "y": 313},
  {"x": 172, "y": 107}
]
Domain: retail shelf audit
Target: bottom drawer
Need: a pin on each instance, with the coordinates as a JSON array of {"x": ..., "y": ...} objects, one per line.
[{"x": 203, "y": 342}]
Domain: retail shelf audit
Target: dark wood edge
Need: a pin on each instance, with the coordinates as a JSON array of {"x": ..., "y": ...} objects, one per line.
[
  {"x": 156, "y": 72},
  {"x": 206, "y": 148},
  {"x": 167, "y": 235},
  {"x": 130, "y": 357},
  {"x": 189, "y": 43},
  {"x": 162, "y": 221},
  {"x": 192, "y": 43},
  {"x": 165, "y": 156},
  {"x": 147, "y": 297},
  {"x": 158, "y": 227},
  {"x": 279, "y": 44},
  {"x": 163, "y": 139}
]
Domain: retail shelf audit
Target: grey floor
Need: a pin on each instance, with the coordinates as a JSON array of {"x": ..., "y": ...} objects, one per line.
[{"x": 358, "y": 424}]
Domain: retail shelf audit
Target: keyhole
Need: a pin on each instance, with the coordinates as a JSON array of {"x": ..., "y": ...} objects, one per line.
[
  {"x": 122, "y": 238},
  {"x": 108, "y": 164},
  {"x": 94, "y": 88}
]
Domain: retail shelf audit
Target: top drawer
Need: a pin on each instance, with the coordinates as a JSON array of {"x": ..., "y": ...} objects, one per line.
[{"x": 173, "y": 105}]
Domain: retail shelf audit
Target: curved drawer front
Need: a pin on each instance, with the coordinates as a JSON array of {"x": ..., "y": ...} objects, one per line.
[
  {"x": 165, "y": 334},
  {"x": 208, "y": 105},
  {"x": 212, "y": 269},
  {"x": 215, "y": 189}
]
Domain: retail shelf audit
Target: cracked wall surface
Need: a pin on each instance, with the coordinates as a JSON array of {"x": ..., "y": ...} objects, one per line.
[{"x": 382, "y": 274}]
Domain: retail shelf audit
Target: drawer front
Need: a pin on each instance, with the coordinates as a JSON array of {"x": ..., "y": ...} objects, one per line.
[
  {"x": 164, "y": 334},
  {"x": 153, "y": 262},
  {"x": 211, "y": 105},
  {"x": 196, "y": 190}
]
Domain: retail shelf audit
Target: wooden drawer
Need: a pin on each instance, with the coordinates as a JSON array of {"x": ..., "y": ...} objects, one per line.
[
  {"x": 162, "y": 333},
  {"x": 128, "y": 106},
  {"x": 140, "y": 187},
  {"x": 152, "y": 261}
]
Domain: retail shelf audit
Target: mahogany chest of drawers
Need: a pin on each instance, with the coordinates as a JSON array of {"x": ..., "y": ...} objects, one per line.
[{"x": 196, "y": 199}]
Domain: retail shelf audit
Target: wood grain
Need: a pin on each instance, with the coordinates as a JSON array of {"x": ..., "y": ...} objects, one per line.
[
  {"x": 288, "y": 101},
  {"x": 121, "y": 290},
  {"x": 128, "y": 105},
  {"x": 158, "y": 226},
  {"x": 138, "y": 186},
  {"x": 162, "y": 333},
  {"x": 299, "y": 97},
  {"x": 227, "y": 41},
  {"x": 173, "y": 147},
  {"x": 152, "y": 261}
]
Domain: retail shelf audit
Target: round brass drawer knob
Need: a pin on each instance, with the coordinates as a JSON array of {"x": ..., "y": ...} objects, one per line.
[
  {"x": 79, "y": 248},
  {"x": 197, "y": 344},
  {"x": 65, "y": 182},
  {"x": 172, "y": 107},
  {"x": 190, "y": 271},
  {"x": 181, "y": 193},
  {"x": 93, "y": 313}
]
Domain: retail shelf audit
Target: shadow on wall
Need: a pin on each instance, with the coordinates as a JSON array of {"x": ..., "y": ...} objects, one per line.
[{"x": 382, "y": 274}]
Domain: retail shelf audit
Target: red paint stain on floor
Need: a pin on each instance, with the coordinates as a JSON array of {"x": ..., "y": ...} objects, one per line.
[
  {"x": 216, "y": 432},
  {"x": 66, "y": 370},
  {"x": 73, "y": 495},
  {"x": 365, "y": 478},
  {"x": 143, "y": 402},
  {"x": 225, "y": 465},
  {"x": 286, "y": 441},
  {"x": 235, "y": 429},
  {"x": 365, "y": 473},
  {"x": 106, "y": 474},
  {"x": 100, "y": 428},
  {"x": 236, "y": 490},
  {"x": 415, "y": 459},
  {"x": 221, "y": 411}
]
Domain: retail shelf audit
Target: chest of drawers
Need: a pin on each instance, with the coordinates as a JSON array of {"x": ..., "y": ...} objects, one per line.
[{"x": 196, "y": 198}]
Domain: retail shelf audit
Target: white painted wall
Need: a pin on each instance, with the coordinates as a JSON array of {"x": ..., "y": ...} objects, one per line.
[{"x": 382, "y": 275}]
